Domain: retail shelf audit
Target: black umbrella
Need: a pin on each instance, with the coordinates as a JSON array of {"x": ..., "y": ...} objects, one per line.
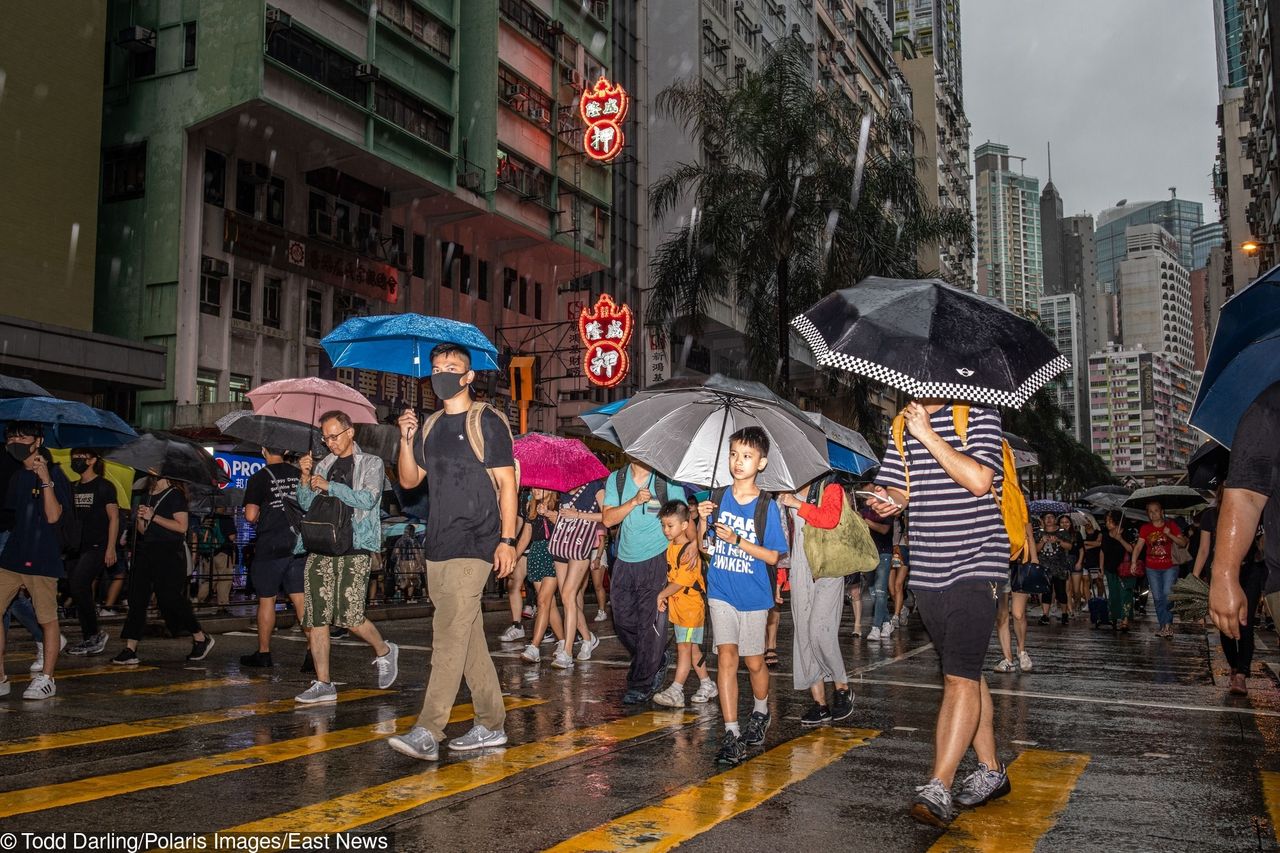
[
  {"x": 931, "y": 340},
  {"x": 12, "y": 386},
  {"x": 172, "y": 457},
  {"x": 271, "y": 432},
  {"x": 1172, "y": 498},
  {"x": 1207, "y": 467}
]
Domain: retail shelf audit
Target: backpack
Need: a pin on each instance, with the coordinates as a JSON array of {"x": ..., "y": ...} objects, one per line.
[
  {"x": 844, "y": 549},
  {"x": 474, "y": 432},
  {"x": 660, "y": 485},
  {"x": 1009, "y": 500}
]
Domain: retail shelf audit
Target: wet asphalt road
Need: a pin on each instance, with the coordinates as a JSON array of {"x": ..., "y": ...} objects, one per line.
[{"x": 1116, "y": 743}]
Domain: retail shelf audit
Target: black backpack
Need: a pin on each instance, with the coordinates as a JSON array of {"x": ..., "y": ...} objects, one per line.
[
  {"x": 660, "y": 485},
  {"x": 761, "y": 515}
]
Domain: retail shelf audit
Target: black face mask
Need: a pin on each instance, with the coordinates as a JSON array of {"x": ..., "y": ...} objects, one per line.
[
  {"x": 447, "y": 385},
  {"x": 79, "y": 465},
  {"x": 20, "y": 451}
]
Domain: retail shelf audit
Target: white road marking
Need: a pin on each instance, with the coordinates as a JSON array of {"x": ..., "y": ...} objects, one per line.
[
  {"x": 1156, "y": 755},
  {"x": 1026, "y": 742},
  {"x": 910, "y": 729}
]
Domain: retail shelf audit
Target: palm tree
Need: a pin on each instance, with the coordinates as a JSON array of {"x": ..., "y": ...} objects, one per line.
[{"x": 800, "y": 192}]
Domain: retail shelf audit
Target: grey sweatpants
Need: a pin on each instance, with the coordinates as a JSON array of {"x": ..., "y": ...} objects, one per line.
[{"x": 816, "y": 607}]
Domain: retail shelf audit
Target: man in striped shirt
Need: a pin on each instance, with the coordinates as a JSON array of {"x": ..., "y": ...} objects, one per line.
[{"x": 959, "y": 560}]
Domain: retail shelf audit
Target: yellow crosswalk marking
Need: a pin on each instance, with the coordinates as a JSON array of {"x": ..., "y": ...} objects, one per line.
[
  {"x": 81, "y": 672},
  {"x": 696, "y": 808},
  {"x": 400, "y": 795},
  {"x": 26, "y": 800},
  {"x": 186, "y": 686},
  {"x": 1271, "y": 793},
  {"x": 156, "y": 725},
  {"x": 1042, "y": 783}
]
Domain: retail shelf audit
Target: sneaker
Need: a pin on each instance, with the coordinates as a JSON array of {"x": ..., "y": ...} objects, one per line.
[
  {"x": 97, "y": 643},
  {"x": 874, "y": 635},
  {"x": 585, "y": 650},
  {"x": 257, "y": 659},
  {"x": 896, "y": 623},
  {"x": 515, "y": 632},
  {"x": 706, "y": 691},
  {"x": 1024, "y": 661},
  {"x": 635, "y": 697},
  {"x": 732, "y": 750},
  {"x": 672, "y": 697},
  {"x": 308, "y": 664},
  {"x": 816, "y": 716},
  {"x": 886, "y": 630},
  {"x": 531, "y": 654},
  {"x": 127, "y": 657},
  {"x": 983, "y": 785},
  {"x": 317, "y": 693},
  {"x": 416, "y": 743},
  {"x": 388, "y": 666},
  {"x": 200, "y": 649},
  {"x": 528, "y": 611},
  {"x": 38, "y": 663},
  {"x": 1044, "y": 619},
  {"x": 5, "y": 686},
  {"x": 562, "y": 660},
  {"x": 336, "y": 633},
  {"x": 478, "y": 738},
  {"x": 842, "y": 705},
  {"x": 932, "y": 804},
  {"x": 41, "y": 687},
  {"x": 79, "y": 649},
  {"x": 107, "y": 611},
  {"x": 549, "y": 637},
  {"x": 668, "y": 658},
  {"x": 601, "y": 616},
  {"x": 1005, "y": 665},
  {"x": 757, "y": 725}
]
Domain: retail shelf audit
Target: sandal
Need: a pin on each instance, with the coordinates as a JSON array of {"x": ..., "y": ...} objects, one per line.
[{"x": 770, "y": 657}]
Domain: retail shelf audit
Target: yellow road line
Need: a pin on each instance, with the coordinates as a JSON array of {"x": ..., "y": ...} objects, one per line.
[
  {"x": 1271, "y": 793},
  {"x": 696, "y": 808},
  {"x": 60, "y": 674},
  {"x": 156, "y": 725},
  {"x": 185, "y": 686},
  {"x": 92, "y": 788},
  {"x": 400, "y": 795},
  {"x": 1042, "y": 783}
]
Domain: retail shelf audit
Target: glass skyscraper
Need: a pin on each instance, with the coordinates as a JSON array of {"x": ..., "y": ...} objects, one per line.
[{"x": 1177, "y": 216}]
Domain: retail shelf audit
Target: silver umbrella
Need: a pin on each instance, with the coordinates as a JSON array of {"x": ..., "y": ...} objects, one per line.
[
  {"x": 1172, "y": 498},
  {"x": 681, "y": 429}
]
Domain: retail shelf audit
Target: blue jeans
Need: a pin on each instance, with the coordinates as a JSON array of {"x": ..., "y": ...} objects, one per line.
[
  {"x": 880, "y": 592},
  {"x": 1160, "y": 582}
]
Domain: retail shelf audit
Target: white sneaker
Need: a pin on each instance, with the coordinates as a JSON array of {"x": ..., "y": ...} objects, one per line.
[
  {"x": 895, "y": 623},
  {"x": 38, "y": 663},
  {"x": 319, "y": 692},
  {"x": 585, "y": 650},
  {"x": 874, "y": 635},
  {"x": 531, "y": 654},
  {"x": 886, "y": 630},
  {"x": 1024, "y": 661},
  {"x": 515, "y": 632},
  {"x": 706, "y": 691},
  {"x": 41, "y": 687},
  {"x": 672, "y": 697},
  {"x": 550, "y": 637},
  {"x": 601, "y": 616},
  {"x": 528, "y": 611},
  {"x": 5, "y": 686},
  {"x": 388, "y": 666},
  {"x": 478, "y": 738},
  {"x": 562, "y": 660},
  {"x": 1005, "y": 665}
]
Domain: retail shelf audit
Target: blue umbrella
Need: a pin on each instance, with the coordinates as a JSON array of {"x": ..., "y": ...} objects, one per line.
[
  {"x": 402, "y": 343},
  {"x": 1243, "y": 360},
  {"x": 847, "y": 450},
  {"x": 1040, "y": 507},
  {"x": 600, "y": 421},
  {"x": 68, "y": 423}
]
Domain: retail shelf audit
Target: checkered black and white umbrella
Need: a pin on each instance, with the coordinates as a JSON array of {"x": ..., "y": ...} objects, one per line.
[{"x": 931, "y": 340}]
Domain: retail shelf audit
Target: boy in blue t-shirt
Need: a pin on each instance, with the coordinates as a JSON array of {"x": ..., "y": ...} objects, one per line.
[{"x": 740, "y": 586}]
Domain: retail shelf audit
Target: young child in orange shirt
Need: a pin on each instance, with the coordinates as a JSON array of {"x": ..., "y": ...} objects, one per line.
[{"x": 683, "y": 598}]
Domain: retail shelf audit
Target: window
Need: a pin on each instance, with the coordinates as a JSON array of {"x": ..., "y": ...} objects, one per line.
[
  {"x": 215, "y": 178},
  {"x": 537, "y": 300},
  {"x": 189, "y": 44},
  {"x": 238, "y": 386},
  {"x": 397, "y": 245},
  {"x": 449, "y": 255},
  {"x": 206, "y": 386},
  {"x": 529, "y": 20},
  {"x": 319, "y": 217},
  {"x": 124, "y": 172},
  {"x": 419, "y": 255},
  {"x": 433, "y": 34},
  {"x": 464, "y": 274},
  {"x": 274, "y": 213},
  {"x": 242, "y": 299},
  {"x": 246, "y": 188},
  {"x": 210, "y": 295},
  {"x": 328, "y": 67},
  {"x": 523, "y": 97},
  {"x": 483, "y": 279},
  {"x": 413, "y": 114},
  {"x": 271, "y": 289},
  {"x": 315, "y": 313},
  {"x": 524, "y": 296},
  {"x": 522, "y": 177},
  {"x": 508, "y": 286}
]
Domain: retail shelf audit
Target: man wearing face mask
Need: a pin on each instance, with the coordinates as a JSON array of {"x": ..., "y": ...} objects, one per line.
[
  {"x": 465, "y": 454},
  {"x": 98, "y": 509},
  {"x": 38, "y": 495}
]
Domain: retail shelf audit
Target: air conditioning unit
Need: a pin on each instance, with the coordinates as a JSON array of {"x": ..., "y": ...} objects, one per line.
[
  {"x": 367, "y": 72},
  {"x": 214, "y": 267},
  {"x": 278, "y": 19},
  {"x": 137, "y": 39},
  {"x": 578, "y": 81},
  {"x": 538, "y": 114},
  {"x": 470, "y": 180},
  {"x": 515, "y": 90},
  {"x": 722, "y": 44},
  {"x": 795, "y": 29},
  {"x": 706, "y": 23},
  {"x": 739, "y": 5}
]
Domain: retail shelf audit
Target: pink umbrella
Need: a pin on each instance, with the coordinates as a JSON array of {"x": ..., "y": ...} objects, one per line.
[
  {"x": 309, "y": 397},
  {"x": 552, "y": 462}
]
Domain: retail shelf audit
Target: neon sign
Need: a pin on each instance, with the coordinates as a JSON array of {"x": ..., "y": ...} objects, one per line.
[
  {"x": 602, "y": 109},
  {"x": 605, "y": 330}
]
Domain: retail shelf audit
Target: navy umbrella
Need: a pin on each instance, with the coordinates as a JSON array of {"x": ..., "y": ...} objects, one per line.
[
  {"x": 1243, "y": 360},
  {"x": 171, "y": 457},
  {"x": 68, "y": 423},
  {"x": 402, "y": 343},
  {"x": 12, "y": 386}
]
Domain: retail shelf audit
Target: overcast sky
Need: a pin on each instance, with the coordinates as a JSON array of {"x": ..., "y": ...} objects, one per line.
[{"x": 1126, "y": 90}]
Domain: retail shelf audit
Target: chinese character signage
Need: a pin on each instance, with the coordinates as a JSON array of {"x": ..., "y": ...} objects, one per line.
[
  {"x": 602, "y": 109},
  {"x": 657, "y": 363},
  {"x": 605, "y": 331}
]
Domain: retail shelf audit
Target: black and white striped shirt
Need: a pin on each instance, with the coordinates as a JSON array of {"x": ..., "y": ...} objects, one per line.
[{"x": 955, "y": 536}]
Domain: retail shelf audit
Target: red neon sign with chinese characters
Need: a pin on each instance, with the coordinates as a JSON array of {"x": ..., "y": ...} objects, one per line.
[
  {"x": 602, "y": 109},
  {"x": 605, "y": 331}
]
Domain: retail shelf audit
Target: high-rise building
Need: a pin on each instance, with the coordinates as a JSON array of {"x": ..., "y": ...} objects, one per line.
[
  {"x": 1153, "y": 291},
  {"x": 1203, "y": 239},
  {"x": 934, "y": 27},
  {"x": 1233, "y": 175},
  {"x": 1060, "y": 315},
  {"x": 1053, "y": 261},
  {"x": 1228, "y": 31},
  {"x": 1008, "y": 218},
  {"x": 50, "y": 159},
  {"x": 1261, "y": 106},
  {"x": 1139, "y": 404},
  {"x": 1201, "y": 332},
  {"x": 1097, "y": 308},
  {"x": 1177, "y": 216}
]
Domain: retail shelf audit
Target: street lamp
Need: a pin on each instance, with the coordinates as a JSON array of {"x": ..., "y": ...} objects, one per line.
[{"x": 1250, "y": 247}]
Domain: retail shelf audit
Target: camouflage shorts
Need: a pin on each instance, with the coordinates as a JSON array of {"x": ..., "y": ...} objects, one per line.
[{"x": 335, "y": 590}]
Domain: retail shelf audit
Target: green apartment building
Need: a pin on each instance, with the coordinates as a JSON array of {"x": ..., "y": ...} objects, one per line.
[{"x": 272, "y": 168}]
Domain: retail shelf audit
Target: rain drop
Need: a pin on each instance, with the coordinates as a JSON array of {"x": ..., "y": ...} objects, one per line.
[{"x": 71, "y": 253}]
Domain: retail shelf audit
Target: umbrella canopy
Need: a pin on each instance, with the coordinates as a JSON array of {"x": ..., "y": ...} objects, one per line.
[
  {"x": 1207, "y": 467},
  {"x": 1244, "y": 358},
  {"x": 402, "y": 343},
  {"x": 120, "y": 476},
  {"x": 67, "y": 423},
  {"x": 270, "y": 431},
  {"x": 1040, "y": 507},
  {"x": 172, "y": 457},
  {"x": 847, "y": 450},
  {"x": 931, "y": 340},
  {"x": 681, "y": 428},
  {"x": 1024, "y": 455},
  {"x": 307, "y": 398},
  {"x": 12, "y": 386},
  {"x": 600, "y": 421},
  {"x": 1107, "y": 490},
  {"x": 552, "y": 462},
  {"x": 1173, "y": 498},
  {"x": 1103, "y": 500}
]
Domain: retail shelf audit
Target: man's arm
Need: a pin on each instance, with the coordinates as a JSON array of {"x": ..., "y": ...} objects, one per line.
[
  {"x": 504, "y": 558},
  {"x": 962, "y": 468},
  {"x": 407, "y": 470},
  {"x": 251, "y": 513},
  {"x": 613, "y": 515},
  {"x": 1237, "y": 527},
  {"x": 113, "y": 531}
]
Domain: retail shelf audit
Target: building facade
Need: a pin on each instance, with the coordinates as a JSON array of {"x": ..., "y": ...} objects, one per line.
[
  {"x": 1153, "y": 292},
  {"x": 1010, "y": 265},
  {"x": 1139, "y": 403},
  {"x": 1061, "y": 316},
  {"x": 1233, "y": 174},
  {"x": 1261, "y": 107},
  {"x": 1203, "y": 239},
  {"x": 1228, "y": 31}
]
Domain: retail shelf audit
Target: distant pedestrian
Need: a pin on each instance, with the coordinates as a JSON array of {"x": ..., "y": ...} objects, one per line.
[
  {"x": 573, "y": 539},
  {"x": 882, "y": 535},
  {"x": 1013, "y": 610},
  {"x": 683, "y": 598},
  {"x": 541, "y": 572},
  {"x": 278, "y": 566},
  {"x": 1060, "y": 554},
  {"x": 1156, "y": 541},
  {"x": 408, "y": 565},
  {"x": 1116, "y": 556},
  {"x": 97, "y": 510}
]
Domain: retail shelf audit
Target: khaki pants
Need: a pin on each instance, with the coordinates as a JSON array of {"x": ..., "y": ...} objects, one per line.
[{"x": 459, "y": 648}]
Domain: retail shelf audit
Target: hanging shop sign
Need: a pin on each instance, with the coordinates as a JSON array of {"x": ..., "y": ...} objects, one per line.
[
  {"x": 602, "y": 109},
  {"x": 605, "y": 330}
]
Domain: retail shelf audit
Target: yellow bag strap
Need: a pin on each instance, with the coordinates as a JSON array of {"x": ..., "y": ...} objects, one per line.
[{"x": 959, "y": 419}]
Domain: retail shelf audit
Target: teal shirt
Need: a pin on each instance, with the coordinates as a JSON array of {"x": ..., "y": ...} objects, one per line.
[{"x": 640, "y": 535}]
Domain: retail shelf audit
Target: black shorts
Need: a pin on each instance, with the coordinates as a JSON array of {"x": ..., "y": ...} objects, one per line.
[
  {"x": 960, "y": 620},
  {"x": 283, "y": 575}
]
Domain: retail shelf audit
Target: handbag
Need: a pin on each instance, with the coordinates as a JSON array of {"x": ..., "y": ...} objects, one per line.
[
  {"x": 327, "y": 528},
  {"x": 844, "y": 549},
  {"x": 1032, "y": 579},
  {"x": 1132, "y": 569},
  {"x": 572, "y": 539}
]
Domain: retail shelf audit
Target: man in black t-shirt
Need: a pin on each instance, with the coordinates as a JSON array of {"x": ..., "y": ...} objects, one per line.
[
  {"x": 270, "y": 503},
  {"x": 465, "y": 454},
  {"x": 98, "y": 511}
]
